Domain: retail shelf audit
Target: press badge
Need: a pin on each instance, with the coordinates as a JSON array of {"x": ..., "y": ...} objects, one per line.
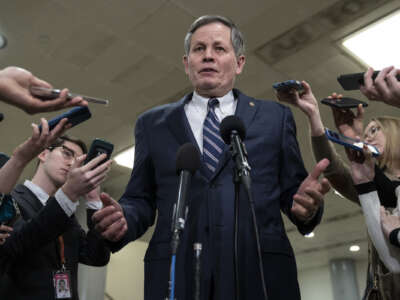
[{"x": 62, "y": 284}]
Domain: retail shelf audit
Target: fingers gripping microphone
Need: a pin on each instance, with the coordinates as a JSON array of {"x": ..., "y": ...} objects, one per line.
[
  {"x": 233, "y": 133},
  {"x": 187, "y": 163}
]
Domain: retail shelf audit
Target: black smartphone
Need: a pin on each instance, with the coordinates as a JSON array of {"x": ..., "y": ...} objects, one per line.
[
  {"x": 8, "y": 209},
  {"x": 286, "y": 86},
  {"x": 99, "y": 147},
  {"x": 353, "y": 81},
  {"x": 75, "y": 116},
  {"x": 344, "y": 102},
  {"x": 349, "y": 142},
  {"x": 50, "y": 94}
]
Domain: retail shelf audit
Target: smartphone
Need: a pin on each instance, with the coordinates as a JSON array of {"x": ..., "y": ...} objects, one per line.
[
  {"x": 8, "y": 210},
  {"x": 75, "y": 116},
  {"x": 344, "y": 102},
  {"x": 353, "y": 81},
  {"x": 99, "y": 147},
  {"x": 349, "y": 142},
  {"x": 286, "y": 86},
  {"x": 50, "y": 94}
]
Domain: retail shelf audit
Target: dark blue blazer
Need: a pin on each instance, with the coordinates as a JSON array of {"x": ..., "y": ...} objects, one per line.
[{"x": 277, "y": 171}]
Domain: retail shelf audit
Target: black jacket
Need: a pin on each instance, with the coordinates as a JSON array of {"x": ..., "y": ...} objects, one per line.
[{"x": 31, "y": 253}]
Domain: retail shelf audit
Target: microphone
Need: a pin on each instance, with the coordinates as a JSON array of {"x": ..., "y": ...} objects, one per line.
[
  {"x": 1, "y": 117},
  {"x": 187, "y": 163},
  {"x": 233, "y": 133}
]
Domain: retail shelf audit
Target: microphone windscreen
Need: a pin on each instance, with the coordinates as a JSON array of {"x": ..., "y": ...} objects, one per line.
[
  {"x": 229, "y": 124},
  {"x": 1, "y": 117},
  {"x": 187, "y": 158}
]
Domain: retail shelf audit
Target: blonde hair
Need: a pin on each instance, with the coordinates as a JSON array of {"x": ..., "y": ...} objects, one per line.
[{"x": 390, "y": 127}]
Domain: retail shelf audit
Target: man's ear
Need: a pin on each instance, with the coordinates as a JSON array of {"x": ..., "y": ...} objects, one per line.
[
  {"x": 241, "y": 60},
  {"x": 186, "y": 63},
  {"x": 43, "y": 155}
]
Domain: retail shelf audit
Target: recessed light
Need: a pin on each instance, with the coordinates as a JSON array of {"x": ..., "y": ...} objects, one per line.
[
  {"x": 3, "y": 41},
  {"x": 354, "y": 248},
  {"x": 310, "y": 235},
  {"x": 376, "y": 45},
  {"x": 126, "y": 157}
]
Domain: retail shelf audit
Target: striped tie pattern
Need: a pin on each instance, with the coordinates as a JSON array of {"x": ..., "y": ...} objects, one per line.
[{"x": 213, "y": 144}]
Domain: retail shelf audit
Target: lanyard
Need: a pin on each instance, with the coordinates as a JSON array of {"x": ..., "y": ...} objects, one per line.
[{"x": 62, "y": 255}]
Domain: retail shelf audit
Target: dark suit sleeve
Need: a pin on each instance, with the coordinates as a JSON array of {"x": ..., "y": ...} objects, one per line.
[
  {"x": 93, "y": 249},
  {"x": 138, "y": 201},
  {"x": 27, "y": 236},
  {"x": 292, "y": 173}
]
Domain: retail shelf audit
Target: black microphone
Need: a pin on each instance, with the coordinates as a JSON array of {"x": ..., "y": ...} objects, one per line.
[
  {"x": 1, "y": 117},
  {"x": 233, "y": 133},
  {"x": 187, "y": 163}
]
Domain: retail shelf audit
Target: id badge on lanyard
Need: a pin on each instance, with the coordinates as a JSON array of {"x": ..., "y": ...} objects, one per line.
[{"x": 62, "y": 277}]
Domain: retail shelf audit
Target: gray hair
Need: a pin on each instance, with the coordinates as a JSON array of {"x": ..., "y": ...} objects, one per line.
[{"x": 236, "y": 36}]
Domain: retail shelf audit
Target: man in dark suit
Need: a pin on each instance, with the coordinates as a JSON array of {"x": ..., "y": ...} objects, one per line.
[
  {"x": 213, "y": 58},
  {"x": 47, "y": 242}
]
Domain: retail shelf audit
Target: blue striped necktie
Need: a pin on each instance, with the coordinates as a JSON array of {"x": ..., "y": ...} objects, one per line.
[{"x": 213, "y": 144}]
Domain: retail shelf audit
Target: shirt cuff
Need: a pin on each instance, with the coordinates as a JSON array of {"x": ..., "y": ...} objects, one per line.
[
  {"x": 365, "y": 188},
  {"x": 66, "y": 204},
  {"x": 96, "y": 205}
]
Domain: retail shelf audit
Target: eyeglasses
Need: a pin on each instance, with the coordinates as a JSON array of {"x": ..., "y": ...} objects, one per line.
[
  {"x": 372, "y": 132},
  {"x": 68, "y": 154}
]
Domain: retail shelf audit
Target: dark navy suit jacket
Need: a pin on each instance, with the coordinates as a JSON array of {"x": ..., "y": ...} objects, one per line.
[{"x": 277, "y": 171}]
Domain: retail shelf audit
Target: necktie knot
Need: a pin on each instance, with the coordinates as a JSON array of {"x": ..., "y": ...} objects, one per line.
[{"x": 212, "y": 103}]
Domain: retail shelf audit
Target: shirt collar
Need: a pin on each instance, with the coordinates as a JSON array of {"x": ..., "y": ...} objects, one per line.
[
  {"x": 37, "y": 191},
  {"x": 224, "y": 102}
]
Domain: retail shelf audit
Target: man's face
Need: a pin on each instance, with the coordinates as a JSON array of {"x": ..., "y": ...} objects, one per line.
[
  {"x": 57, "y": 163},
  {"x": 212, "y": 64}
]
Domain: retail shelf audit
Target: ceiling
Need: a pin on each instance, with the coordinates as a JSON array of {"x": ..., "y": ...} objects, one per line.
[{"x": 131, "y": 53}]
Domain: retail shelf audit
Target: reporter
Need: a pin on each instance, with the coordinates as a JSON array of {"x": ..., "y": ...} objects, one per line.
[
  {"x": 14, "y": 89},
  {"x": 384, "y": 88},
  {"x": 47, "y": 205},
  {"x": 384, "y": 133}
]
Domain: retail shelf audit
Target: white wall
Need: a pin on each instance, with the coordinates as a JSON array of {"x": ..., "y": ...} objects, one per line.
[
  {"x": 125, "y": 272},
  {"x": 315, "y": 283}
]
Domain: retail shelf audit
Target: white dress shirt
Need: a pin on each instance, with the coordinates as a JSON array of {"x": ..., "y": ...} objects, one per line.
[
  {"x": 65, "y": 203},
  {"x": 196, "y": 112}
]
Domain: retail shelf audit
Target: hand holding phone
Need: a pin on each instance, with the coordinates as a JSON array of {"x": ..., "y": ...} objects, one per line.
[
  {"x": 344, "y": 102},
  {"x": 50, "y": 94},
  {"x": 75, "y": 116},
  {"x": 349, "y": 142},
  {"x": 99, "y": 147},
  {"x": 353, "y": 81},
  {"x": 287, "y": 86}
]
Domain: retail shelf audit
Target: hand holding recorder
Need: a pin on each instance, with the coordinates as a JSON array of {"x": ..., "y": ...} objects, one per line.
[{"x": 15, "y": 86}]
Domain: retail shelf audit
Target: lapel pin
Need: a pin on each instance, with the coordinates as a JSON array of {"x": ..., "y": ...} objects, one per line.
[{"x": 251, "y": 103}]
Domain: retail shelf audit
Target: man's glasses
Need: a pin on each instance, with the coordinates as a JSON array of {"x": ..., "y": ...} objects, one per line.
[{"x": 67, "y": 153}]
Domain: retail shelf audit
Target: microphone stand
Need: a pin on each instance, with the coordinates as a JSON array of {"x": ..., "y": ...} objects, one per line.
[
  {"x": 178, "y": 224},
  {"x": 242, "y": 175}
]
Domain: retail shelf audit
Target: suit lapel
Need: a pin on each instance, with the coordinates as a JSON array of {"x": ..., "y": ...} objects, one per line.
[
  {"x": 178, "y": 124},
  {"x": 26, "y": 199},
  {"x": 245, "y": 110}
]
